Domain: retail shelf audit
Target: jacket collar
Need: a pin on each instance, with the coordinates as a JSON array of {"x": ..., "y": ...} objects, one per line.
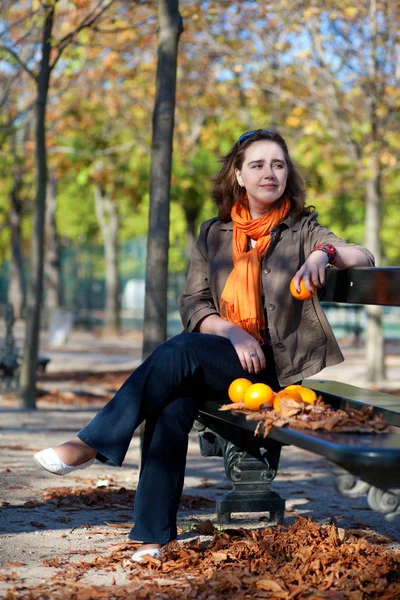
[{"x": 291, "y": 222}]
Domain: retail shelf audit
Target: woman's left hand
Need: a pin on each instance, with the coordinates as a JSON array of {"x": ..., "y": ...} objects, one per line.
[{"x": 313, "y": 270}]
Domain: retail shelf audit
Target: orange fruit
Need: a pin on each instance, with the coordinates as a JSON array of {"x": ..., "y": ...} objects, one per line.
[
  {"x": 304, "y": 294},
  {"x": 308, "y": 396},
  {"x": 237, "y": 389},
  {"x": 286, "y": 395},
  {"x": 257, "y": 394}
]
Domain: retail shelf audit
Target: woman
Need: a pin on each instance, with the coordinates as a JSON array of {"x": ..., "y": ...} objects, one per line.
[{"x": 240, "y": 320}]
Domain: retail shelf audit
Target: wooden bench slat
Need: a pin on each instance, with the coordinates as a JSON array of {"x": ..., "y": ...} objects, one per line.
[
  {"x": 362, "y": 285},
  {"x": 374, "y": 456}
]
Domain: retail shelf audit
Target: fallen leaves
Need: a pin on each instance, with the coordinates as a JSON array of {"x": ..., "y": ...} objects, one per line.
[
  {"x": 204, "y": 528},
  {"x": 75, "y": 499},
  {"x": 119, "y": 525},
  {"x": 318, "y": 416},
  {"x": 305, "y": 561},
  {"x": 108, "y": 384}
]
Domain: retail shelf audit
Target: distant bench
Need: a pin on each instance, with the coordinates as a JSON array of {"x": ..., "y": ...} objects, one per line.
[
  {"x": 347, "y": 318},
  {"x": 363, "y": 463},
  {"x": 10, "y": 355}
]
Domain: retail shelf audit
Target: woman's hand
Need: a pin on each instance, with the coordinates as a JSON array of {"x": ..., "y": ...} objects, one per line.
[
  {"x": 248, "y": 350},
  {"x": 313, "y": 270}
]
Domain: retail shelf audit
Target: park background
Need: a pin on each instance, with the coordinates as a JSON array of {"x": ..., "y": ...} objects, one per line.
[
  {"x": 80, "y": 82},
  {"x": 324, "y": 74}
]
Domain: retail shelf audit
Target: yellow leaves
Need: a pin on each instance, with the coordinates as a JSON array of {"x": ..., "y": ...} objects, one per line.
[
  {"x": 185, "y": 184},
  {"x": 298, "y": 111},
  {"x": 311, "y": 12},
  {"x": 293, "y": 122},
  {"x": 351, "y": 11},
  {"x": 111, "y": 59},
  {"x": 382, "y": 111},
  {"x": 388, "y": 159}
]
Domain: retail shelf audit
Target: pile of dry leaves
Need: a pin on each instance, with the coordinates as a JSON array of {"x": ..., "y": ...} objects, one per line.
[
  {"x": 105, "y": 385},
  {"x": 318, "y": 416},
  {"x": 304, "y": 561},
  {"x": 72, "y": 499}
]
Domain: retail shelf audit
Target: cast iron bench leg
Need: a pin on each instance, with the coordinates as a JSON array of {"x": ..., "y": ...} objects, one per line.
[
  {"x": 382, "y": 501},
  {"x": 251, "y": 477}
]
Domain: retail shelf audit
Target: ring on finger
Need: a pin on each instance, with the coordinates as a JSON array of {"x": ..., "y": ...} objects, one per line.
[
  {"x": 307, "y": 273},
  {"x": 253, "y": 354}
]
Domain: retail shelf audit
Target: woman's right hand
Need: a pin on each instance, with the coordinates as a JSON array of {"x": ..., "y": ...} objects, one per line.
[{"x": 248, "y": 350}]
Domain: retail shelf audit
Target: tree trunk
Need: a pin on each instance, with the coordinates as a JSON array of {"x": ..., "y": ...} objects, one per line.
[
  {"x": 107, "y": 216},
  {"x": 155, "y": 315},
  {"x": 35, "y": 287},
  {"x": 375, "y": 339},
  {"x": 52, "y": 258},
  {"x": 16, "y": 295},
  {"x": 191, "y": 214},
  {"x": 373, "y": 192}
]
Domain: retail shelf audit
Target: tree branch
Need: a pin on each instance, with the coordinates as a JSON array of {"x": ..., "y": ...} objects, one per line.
[
  {"x": 20, "y": 61},
  {"x": 90, "y": 18},
  {"x": 338, "y": 121}
]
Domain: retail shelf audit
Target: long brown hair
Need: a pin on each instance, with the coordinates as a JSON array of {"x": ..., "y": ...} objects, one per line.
[{"x": 226, "y": 190}]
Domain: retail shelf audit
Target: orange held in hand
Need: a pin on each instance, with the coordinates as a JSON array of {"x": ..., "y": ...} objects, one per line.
[
  {"x": 237, "y": 389},
  {"x": 257, "y": 394},
  {"x": 286, "y": 394},
  {"x": 304, "y": 294}
]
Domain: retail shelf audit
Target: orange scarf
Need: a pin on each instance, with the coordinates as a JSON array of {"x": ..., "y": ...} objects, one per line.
[{"x": 241, "y": 300}]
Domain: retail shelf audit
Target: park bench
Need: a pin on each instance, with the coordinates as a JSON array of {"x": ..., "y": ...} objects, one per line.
[
  {"x": 10, "y": 354},
  {"x": 363, "y": 463}
]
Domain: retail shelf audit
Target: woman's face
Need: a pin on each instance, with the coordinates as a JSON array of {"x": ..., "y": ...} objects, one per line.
[{"x": 264, "y": 174}]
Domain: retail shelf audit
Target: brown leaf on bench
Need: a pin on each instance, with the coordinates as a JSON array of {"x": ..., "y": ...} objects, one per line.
[
  {"x": 289, "y": 408},
  {"x": 319, "y": 417},
  {"x": 233, "y": 406}
]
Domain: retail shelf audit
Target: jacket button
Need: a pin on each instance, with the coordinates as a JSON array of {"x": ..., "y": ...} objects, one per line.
[
  {"x": 271, "y": 306},
  {"x": 267, "y": 270}
]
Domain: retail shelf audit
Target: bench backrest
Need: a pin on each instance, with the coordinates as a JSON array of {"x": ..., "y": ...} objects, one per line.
[{"x": 363, "y": 285}]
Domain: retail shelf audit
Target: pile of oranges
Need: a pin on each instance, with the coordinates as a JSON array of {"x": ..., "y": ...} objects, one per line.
[{"x": 253, "y": 395}]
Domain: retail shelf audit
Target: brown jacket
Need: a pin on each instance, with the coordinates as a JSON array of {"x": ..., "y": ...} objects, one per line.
[{"x": 302, "y": 339}]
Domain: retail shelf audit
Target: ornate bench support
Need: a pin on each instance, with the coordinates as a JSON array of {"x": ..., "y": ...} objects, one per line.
[
  {"x": 381, "y": 501},
  {"x": 251, "y": 477}
]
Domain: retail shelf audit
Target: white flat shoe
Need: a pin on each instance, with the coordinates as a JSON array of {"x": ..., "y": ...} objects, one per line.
[
  {"x": 49, "y": 460},
  {"x": 155, "y": 552}
]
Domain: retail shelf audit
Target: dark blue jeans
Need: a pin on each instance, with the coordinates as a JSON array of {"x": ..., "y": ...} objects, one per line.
[{"x": 166, "y": 391}]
